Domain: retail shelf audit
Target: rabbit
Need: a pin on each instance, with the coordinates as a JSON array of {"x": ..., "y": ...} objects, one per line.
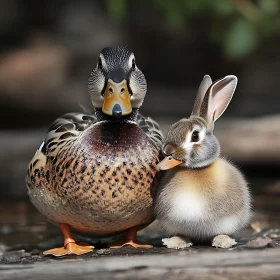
[{"x": 201, "y": 195}]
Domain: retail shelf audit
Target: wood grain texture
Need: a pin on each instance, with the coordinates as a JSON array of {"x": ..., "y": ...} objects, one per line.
[{"x": 264, "y": 264}]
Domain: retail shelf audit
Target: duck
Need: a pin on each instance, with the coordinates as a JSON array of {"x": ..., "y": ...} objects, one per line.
[{"x": 95, "y": 173}]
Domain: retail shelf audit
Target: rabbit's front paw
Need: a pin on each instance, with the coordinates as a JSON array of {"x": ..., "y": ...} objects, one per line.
[
  {"x": 177, "y": 242},
  {"x": 223, "y": 241}
]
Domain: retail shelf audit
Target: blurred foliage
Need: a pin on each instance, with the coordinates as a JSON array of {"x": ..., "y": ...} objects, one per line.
[{"x": 239, "y": 26}]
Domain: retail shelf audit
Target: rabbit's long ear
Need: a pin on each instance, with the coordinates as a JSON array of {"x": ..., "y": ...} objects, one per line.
[
  {"x": 217, "y": 98},
  {"x": 203, "y": 87}
]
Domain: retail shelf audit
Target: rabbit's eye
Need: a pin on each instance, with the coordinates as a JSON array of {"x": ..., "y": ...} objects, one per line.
[{"x": 195, "y": 136}]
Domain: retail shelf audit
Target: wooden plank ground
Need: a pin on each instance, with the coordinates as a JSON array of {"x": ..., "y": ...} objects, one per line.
[
  {"x": 25, "y": 234},
  {"x": 259, "y": 264}
]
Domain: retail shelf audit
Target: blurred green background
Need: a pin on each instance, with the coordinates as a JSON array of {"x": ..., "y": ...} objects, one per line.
[
  {"x": 48, "y": 49},
  {"x": 238, "y": 26}
]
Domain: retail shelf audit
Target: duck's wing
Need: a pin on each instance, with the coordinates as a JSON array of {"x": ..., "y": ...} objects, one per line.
[
  {"x": 151, "y": 128},
  {"x": 61, "y": 133},
  {"x": 63, "y": 130}
]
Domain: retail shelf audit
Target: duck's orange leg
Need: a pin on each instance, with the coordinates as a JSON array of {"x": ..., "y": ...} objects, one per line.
[
  {"x": 70, "y": 246},
  {"x": 130, "y": 240}
]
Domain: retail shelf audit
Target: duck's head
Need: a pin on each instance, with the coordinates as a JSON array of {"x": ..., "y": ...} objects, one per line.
[{"x": 116, "y": 84}]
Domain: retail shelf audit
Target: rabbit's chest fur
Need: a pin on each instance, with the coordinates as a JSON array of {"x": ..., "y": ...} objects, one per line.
[
  {"x": 200, "y": 201},
  {"x": 191, "y": 192}
]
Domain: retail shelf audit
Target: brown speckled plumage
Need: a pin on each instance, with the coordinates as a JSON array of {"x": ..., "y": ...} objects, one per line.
[{"x": 97, "y": 177}]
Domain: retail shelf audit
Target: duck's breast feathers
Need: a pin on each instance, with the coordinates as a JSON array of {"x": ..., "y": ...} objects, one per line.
[
  {"x": 69, "y": 126},
  {"x": 151, "y": 129}
]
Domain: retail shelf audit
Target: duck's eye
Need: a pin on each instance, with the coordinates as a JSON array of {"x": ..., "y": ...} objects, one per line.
[
  {"x": 195, "y": 136},
  {"x": 99, "y": 64},
  {"x": 170, "y": 157},
  {"x": 133, "y": 64}
]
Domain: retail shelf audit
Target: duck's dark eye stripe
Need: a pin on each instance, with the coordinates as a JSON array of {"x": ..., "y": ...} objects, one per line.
[{"x": 195, "y": 136}]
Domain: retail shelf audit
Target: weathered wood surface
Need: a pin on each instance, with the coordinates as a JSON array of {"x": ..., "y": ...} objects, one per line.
[
  {"x": 25, "y": 234},
  {"x": 251, "y": 141},
  {"x": 21, "y": 253},
  {"x": 264, "y": 264}
]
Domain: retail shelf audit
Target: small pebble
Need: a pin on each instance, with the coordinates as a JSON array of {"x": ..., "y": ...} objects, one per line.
[
  {"x": 273, "y": 235},
  {"x": 2, "y": 249},
  {"x": 259, "y": 242},
  {"x": 102, "y": 252},
  {"x": 14, "y": 256},
  {"x": 35, "y": 252}
]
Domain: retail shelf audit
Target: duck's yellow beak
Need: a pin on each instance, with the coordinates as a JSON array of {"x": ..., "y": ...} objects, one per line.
[
  {"x": 116, "y": 99},
  {"x": 168, "y": 163}
]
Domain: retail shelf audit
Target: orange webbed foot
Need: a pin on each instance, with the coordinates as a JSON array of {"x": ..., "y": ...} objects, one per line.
[
  {"x": 70, "y": 245},
  {"x": 130, "y": 240},
  {"x": 69, "y": 249},
  {"x": 123, "y": 243}
]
